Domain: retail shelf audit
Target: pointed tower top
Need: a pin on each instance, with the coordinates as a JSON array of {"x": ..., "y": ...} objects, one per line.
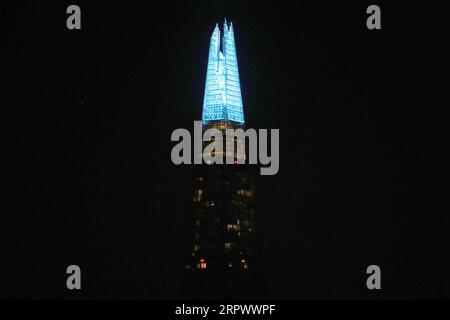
[
  {"x": 216, "y": 32},
  {"x": 225, "y": 25},
  {"x": 223, "y": 99}
]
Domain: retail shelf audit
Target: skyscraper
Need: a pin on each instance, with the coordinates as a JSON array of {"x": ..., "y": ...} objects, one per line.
[
  {"x": 223, "y": 100},
  {"x": 222, "y": 261}
]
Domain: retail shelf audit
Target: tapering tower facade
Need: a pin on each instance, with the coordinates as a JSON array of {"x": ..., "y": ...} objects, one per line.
[
  {"x": 223, "y": 99},
  {"x": 222, "y": 260}
]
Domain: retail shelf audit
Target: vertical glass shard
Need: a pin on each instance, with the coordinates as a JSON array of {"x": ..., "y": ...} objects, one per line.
[{"x": 223, "y": 99}]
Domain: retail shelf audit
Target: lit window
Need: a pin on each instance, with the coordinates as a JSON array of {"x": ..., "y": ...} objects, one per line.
[
  {"x": 246, "y": 193},
  {"x": 244, "y": 264},
  {"x": 237, "y": 203},
  {"x": 228, "y": 245},
  {"x": 210, "y": 203},
  {"x": 233, "y": 227},
  {"x": 196, "y": 247},
  {"x": 198, "y": 195},
  {"x": 230, "y": 265},
  {"x": 201, "y": 264}
]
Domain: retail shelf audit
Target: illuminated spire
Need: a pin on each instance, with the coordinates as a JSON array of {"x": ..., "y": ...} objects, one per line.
[{"x": 222, "y": 100}]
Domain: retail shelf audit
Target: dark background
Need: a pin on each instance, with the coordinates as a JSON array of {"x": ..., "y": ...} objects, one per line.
[{"x": 88, "y": 116}]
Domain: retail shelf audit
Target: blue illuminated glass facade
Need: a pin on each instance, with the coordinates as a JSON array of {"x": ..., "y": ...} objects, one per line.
[{"x": 223, "y": 100}]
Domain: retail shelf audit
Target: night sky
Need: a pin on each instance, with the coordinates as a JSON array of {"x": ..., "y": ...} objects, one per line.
[{"x": 363, "y": 145}]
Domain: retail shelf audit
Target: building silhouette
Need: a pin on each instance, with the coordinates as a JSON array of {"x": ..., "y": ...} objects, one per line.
[{"x": 222, "y": 259}]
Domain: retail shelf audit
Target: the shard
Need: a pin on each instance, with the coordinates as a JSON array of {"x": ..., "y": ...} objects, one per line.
[
  {"x": 222, "y": 254},
  {"x": 223, "y": 100}
]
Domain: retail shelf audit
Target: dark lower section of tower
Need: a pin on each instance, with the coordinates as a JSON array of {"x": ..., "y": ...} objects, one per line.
[
  {"x": 221, "y": 284},
  {"x": 222, "y": 261}
]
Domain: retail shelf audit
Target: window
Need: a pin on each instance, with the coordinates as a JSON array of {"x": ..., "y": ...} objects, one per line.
[
  {"x": 234, "y": 227},
  {"x": 210, "y": 203},
  {"x": 201, "y": 264},
  {"x": 245, "y": 193},
  {"x": 229, "y": 245},
  {"x": 198, "y": 195}
]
